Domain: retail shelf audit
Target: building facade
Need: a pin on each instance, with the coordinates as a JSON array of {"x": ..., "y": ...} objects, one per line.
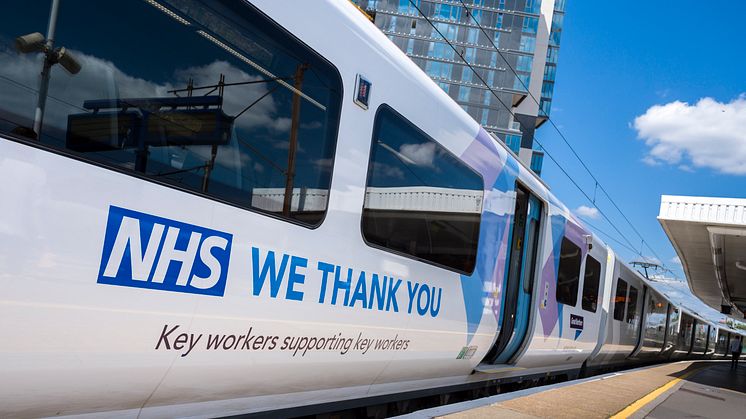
[{"x": 511, "y": 45}]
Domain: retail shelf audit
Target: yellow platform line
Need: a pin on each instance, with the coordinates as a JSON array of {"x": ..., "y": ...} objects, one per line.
[{"x": 639, "y": 404}]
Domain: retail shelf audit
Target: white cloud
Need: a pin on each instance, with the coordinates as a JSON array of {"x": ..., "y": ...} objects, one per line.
[
  {"x": 651, "y": 161},
  {"x": 324, "y": 165},
  {"x": 676, "y": 260},
  {"x": 663, "y": 93},
  {"x": 707, "y": 134},
  {"x": 686, "y": 168},
  {"x": 312, "y": 125},
  {"x": 102, "y": 79},
  {"x": 587, "y": 212},
  {"x": 420, "y": 154},
  {"x": 387, "y": 170},
  {"x": 237, "y": 97}
]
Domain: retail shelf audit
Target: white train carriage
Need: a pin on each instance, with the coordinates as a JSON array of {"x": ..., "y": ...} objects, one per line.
[
  {"x": 651, "y": 344},
  {"x": 242, "y": 207},
  {"x": 624, "y": 289}
]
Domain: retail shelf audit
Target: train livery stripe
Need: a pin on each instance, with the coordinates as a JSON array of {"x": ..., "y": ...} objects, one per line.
[{"x": 484, "y": 285}]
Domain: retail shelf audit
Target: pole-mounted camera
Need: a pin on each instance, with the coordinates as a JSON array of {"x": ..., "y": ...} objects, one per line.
[{"x": 36, "y": 42}]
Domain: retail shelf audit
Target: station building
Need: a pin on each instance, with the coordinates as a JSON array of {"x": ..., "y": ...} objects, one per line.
[{"x": 709, "y": 236}]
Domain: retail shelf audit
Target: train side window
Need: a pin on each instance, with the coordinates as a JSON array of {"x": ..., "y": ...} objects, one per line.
[
  {"x": 568, "y": 274},
  {"x": 590, "y": 284},
  {"x": 673, "y": 322},
  {"x": 420, "y": 200},
  {"x": 208, "y": 97},
  {"x": 632, "y": 304},
  {"x": 620, "y": 299}
]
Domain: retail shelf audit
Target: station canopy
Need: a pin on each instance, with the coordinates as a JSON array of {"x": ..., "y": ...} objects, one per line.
[{"x": 709, "y": 235}]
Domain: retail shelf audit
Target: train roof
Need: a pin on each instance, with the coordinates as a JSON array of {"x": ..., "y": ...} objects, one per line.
[
  {"x": 421, "y": 81},
  {"x": 367, "y": 39}
]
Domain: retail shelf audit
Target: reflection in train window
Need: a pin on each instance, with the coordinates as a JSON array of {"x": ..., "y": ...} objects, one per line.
[
  {"x": 655, "y": 320},
  {"x": 620, "y": 299},
  {"x": 722, "y": 346},
  {"x": 700, "y": 336},
  {"x": 568, "y": 274},
  {"x": 632, "y": 305},
  {"x": 712, "y": 339},
  {"x": 686, "y": 337},
  {"x": 420, "y": 200},
  {"x": 673, "y": 325},
  {"x": 590, "y": 284},
  {"x": 211, "y": 97}
]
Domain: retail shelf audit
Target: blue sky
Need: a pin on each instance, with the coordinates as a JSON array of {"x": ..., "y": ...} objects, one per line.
[{"x": 617, "y": 61}]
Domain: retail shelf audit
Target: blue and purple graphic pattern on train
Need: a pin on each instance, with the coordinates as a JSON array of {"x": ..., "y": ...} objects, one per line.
[{"x": 483, "y": 288}]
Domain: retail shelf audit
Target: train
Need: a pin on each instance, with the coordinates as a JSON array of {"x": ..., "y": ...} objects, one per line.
[{"x": 214, "y": 208}]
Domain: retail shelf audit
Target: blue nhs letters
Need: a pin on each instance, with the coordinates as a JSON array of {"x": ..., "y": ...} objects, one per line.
[{"x": 144, "y": 251}]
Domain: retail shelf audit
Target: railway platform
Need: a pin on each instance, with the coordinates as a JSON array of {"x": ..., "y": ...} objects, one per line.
[{"x": 706, "y": 389}]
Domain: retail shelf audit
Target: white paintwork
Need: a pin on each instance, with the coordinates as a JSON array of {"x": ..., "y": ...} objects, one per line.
[
  {"x": 564, "y": 348},
  {"x": 425, "y": 198},
  {"x": 621, "y": 337},
  {"x": 74, "y": 346}
]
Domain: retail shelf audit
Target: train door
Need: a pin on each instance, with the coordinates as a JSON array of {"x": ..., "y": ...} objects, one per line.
[
  {"x": 674, "y": 330},
  {"x": 516, "y": 300},
  {"x": 646, "y": 311},
  {"x": 666, "y": 332},
  {"x": 686, "y": 338}
]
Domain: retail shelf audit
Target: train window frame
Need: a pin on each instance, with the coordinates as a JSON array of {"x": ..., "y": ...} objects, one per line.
[
  {"x": 571, "y": 298},
  {"x": 620, "y": 304},
  {"x": 335, "y": 105},
  {"x": 536, "y": 225},
  {"x": 386, "y": 108},
  {"x": 597, "y": 282}
]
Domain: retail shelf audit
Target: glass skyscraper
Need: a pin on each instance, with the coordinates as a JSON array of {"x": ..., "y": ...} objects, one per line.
[{"x": 512, "y": 46}]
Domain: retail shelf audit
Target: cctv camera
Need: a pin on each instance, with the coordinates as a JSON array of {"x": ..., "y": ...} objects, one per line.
[
  {"x": 588, "y": 240},
  {"x": 33, "y": 42},
  {"x": 68, "y": 61}
]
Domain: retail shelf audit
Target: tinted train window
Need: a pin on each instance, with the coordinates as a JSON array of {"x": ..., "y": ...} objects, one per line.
[
  {"x": 590, "y": 284},
  {"x": 687, "y": 334},
  {"x": 568, "y": 273},
  {"x": 720, "y": 340},
  {"x": 420, "y": 200},
  {"x": 632, "y": 305},
  {"x": 207, "y": 96},
  {"x": 655, "y": 320},
  {"x": 620, "y": 299},
  {"x": 673, "y": 323},
  {"x": 711, "y": 339}
]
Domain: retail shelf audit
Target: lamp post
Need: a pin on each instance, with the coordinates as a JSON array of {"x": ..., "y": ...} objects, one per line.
[
  {"x": 41, "y": 102},
  {"x": 35, "y": 42},
  {"x": 287, "y": 203}
]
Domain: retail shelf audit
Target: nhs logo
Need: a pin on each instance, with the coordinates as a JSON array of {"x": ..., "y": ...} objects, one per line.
[{"x": 144, "y": 251}]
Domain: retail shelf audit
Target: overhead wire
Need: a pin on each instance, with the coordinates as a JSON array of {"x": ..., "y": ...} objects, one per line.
[
  {"x": 598, "y": 184},
  {"x": 609, "y": 236},
  {"x": 629, "y": 246}
]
